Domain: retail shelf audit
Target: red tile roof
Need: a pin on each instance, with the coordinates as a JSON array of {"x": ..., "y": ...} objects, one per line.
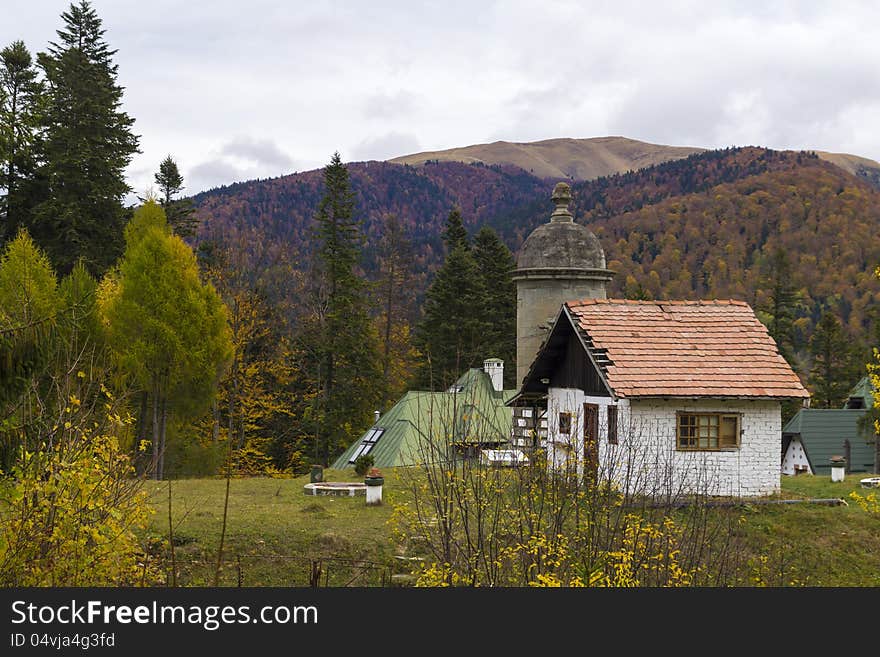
[{"x": 684, "y": 349}]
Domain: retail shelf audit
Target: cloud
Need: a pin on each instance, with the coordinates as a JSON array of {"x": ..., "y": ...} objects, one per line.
[
  {"x": 242, "y": 158},
  {"x": 385, "y": 105},
  {"x": 390, "y": 145},
  {"x": 261, "y": 152},
  {"x": 230, "y": 89},
  {"x": 213, "y": 173}
]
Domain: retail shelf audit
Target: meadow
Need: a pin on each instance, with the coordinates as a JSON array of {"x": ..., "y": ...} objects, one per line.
[{"x": 278, "y": 536}]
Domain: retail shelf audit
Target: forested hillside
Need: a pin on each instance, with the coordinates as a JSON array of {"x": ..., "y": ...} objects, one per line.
[
  {"x": 739, "y": 224},
  {"x": 705, "y": 226},
  {"x": 421, "y": 198}
]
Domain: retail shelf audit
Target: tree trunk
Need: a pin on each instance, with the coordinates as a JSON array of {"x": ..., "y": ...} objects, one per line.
[
  {"x": 143, "y": 423},
  {"x": 10, "y": 176},
  {"x": 154, "y": 462},
  {"x": 386, "y": 356},
  {"x": 143, "y": 419},
  {"x": 215, "y": 414},
  {"x": 163, "y": 420},
  {"x": 233, "y": 390}
]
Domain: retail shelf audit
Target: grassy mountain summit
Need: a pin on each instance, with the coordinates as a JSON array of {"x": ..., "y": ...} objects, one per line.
[
  {"x": 575, "y": 159},
  {"x": 588, "y": 159}
]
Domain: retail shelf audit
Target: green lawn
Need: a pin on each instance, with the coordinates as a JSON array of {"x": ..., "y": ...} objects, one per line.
[
  {"x": 274, "y": 531},
  {"x": 277, "y": 534}
]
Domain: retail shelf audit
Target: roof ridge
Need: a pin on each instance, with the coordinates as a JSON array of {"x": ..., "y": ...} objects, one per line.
[{"x": 656, "y": 302}]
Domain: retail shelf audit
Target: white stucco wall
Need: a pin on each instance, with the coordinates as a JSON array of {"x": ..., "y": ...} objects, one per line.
[
  {"x": 561, "y": 450},
  {"x": 646, "y": 460},
  {"x": 795, "y": 459}
]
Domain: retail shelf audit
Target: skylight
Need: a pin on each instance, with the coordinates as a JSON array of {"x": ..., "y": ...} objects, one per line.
[{"x": 368, "y": 443}]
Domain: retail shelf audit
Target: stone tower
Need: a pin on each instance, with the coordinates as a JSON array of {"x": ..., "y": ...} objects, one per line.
[{"x": 560, "y": 261}]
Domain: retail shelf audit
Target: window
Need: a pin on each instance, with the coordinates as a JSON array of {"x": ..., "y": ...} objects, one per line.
[
  {"x": 697, "y": 431},
  {"x": 565, "y": 423},
  {"x": 612, "y": 425},
  {"x": 368, "y": 443}
]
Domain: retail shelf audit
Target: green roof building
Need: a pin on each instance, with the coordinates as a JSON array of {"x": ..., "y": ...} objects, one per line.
[
  {"x": 814, "y": 435},
  {"x": 467, "y": 417}
]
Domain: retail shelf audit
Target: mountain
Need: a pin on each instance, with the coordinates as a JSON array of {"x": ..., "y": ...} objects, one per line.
[
  {"x": 707, "y": 226},
  {"x": 574, "y": 159},
  {"x": 701, "y": 226},
  {"x": 858, "y": 166},
  {"x": 588, "y": 159},
  {"x": 281, "y": 210}
]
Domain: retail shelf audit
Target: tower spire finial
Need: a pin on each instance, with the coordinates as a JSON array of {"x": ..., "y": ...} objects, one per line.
[{"x": 561, "y": 197}]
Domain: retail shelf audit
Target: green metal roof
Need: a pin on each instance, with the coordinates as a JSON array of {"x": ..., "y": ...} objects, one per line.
[
  {"x": 470, "y": 411},
  {"x": 823, "y": 431},
  {"x": 863, "y": 389}
]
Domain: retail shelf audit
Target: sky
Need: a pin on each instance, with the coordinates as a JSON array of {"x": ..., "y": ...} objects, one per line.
[{"x": 237, "y": 90}]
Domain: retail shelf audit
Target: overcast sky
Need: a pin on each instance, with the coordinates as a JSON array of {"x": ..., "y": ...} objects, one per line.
[{"x": 242, "y": 89}]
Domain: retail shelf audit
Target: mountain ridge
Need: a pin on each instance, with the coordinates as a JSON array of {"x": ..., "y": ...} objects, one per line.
[
  {"x": 595, "y": 157},
  {"x": 698, "y": 227}
]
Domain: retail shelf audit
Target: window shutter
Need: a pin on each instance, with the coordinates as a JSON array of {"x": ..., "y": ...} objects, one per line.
[{"x": 612, "y": 425}]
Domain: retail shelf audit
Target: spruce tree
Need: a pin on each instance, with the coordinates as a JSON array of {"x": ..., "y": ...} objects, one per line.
[
  {"x": 20, "y": 99},
  {"x": 451, "y": 335},
  {"x": 88, "y": 145},
  {"x": 782, "y": 300},
  {"x": 347, "y": 346},
  {"x": 496, "y": 264},
  {"x": 180, "y": 212},
  {"x": 455, "y": 234},
  {"x": 832, "y": 370}
]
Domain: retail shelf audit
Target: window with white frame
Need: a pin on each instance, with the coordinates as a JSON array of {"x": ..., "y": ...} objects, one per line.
[{"x": 367, "y": 444}]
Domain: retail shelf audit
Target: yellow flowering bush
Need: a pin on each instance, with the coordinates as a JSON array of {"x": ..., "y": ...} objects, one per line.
[{"x": 71, "y": 504}]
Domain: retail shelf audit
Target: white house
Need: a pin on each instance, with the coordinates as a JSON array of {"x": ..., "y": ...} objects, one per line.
[{"x": 663, "y": 397}]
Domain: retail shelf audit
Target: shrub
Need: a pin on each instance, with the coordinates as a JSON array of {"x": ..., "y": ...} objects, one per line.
[{"x": 363, "y": 463}]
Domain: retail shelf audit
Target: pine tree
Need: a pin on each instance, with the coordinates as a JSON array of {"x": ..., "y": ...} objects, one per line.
[
  {"x": 454, "y": 325},
  {"x": 781, "y": 304},
  {"x": 455, "y": 234},
  {"x": 496, "y": 263},
  {"x": 88, "y": 145},
  {"x": 832, "y": 370},
  {"x": 20, "y": 99},
  {"x": 180, "y": 212},
  {"x": 347, "y": 351}
]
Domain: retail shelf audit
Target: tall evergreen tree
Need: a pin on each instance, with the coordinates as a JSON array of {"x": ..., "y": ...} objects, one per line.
[
  {"x": 832, "y": 372},
  {"x": 781, "y": 304},
  {"x": 455, "y": 234},
  {"x": 451, "y": 335},
  {"x": 88, "y": 145},
  {"x": 496, "y": 263},
  {"x": 169, "y": 180},
  {"x": 347, "y": 349},
  {"x": 20, "y": 99},
  {"x": 180, "y": 212}
]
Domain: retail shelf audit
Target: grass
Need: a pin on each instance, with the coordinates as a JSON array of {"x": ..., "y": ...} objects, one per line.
[
  {"x": 827, "y": 546},
  {"x": 276, "y": 533}
]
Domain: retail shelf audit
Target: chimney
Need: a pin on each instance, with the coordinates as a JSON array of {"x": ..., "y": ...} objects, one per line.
[
  {"x": 494, "y": 367},
  {"x": 376, "y": 416}
]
